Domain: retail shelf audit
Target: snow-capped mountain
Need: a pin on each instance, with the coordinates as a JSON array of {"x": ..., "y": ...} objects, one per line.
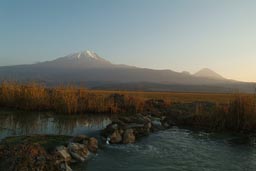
[
  {"x": 85, "y": 55},
  {"x": 87, "y": 68},
  {"x": 85, "y": 59}
]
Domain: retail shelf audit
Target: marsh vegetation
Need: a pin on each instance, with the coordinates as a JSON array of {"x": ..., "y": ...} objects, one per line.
[{"x": 235, "y": 112}]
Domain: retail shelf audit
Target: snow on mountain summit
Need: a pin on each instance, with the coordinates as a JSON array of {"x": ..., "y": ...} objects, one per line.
[
  {"x": 84, "y": 59},
  {"x": 85, "y": 54},
  {"x": 92, "y": 54}
]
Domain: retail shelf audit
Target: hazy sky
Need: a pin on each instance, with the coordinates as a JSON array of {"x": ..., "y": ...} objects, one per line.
[{"x": 163, "y": 34}]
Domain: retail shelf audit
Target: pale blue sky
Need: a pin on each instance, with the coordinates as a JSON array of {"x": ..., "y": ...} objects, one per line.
[{"x": 163, "y": 34}]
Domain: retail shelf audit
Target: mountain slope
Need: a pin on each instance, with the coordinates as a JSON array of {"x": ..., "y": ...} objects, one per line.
[
  {"x": 208, "y": 73},
  {"x": 89, "y": 69},
  {"x": 86, "y": 59}
]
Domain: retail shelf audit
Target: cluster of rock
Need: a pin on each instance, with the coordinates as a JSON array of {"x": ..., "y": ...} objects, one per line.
[
  {"x": 122, "y": 130},
  {"x": 78, "y": 150},
  {"x": 127, "y": 129}
]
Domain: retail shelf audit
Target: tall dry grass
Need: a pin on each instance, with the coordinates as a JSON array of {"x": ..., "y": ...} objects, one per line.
[
  {"x": 66, "y": 99},
  {"x": 29, "y": 97},
  {"x": 237, "y": 114}
]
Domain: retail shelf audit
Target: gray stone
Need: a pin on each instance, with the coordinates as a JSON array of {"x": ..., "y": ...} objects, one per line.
[
  {"x": 128, "y": 136},
  {"x": 78, "y": 151},
  {"x": 63, "y": 152},
  {"x": 116, "y": 137},
  {"x": 65, "y": 167},
  {"x": 92, "y": 145}
]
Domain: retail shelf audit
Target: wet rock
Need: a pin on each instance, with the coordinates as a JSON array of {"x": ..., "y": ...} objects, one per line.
[
  {"x": 127, "y": 129},
  {"x": 65, "y": 167},
  {"x": 111, "y": 128},
  {"x": 141, "y": 131},
  {"x": 116, "y": 136},
  {"x": 147, "y": 119},
  {"x": 93, "y": 145},
  {"x": 78, "y": 151},
  {"x": 139, "y": 119},
  {"x": 156, "y": 124},
  {"x": 128, "y": 136},
  {"x": 64, "y": 154},
  {"x": 167, "y": 123},
  {"x": 148, "y": 126}
]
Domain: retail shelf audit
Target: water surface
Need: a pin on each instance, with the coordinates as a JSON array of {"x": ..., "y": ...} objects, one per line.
[
  {"x": 15, "y": 123},
  {"x": 170, "y": 150},
  {"x": 176, "y": 150}
]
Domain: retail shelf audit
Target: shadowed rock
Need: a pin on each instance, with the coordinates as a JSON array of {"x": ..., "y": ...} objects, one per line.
[
  {"x": 127, "y": 129},
  {"x": 129, "y": 136}
]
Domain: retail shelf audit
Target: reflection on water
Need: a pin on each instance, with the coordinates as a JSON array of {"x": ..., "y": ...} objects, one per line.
[{"x": 21, "y": 123}]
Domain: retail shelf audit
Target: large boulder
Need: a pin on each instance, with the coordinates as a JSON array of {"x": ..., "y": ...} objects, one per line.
[
  {"x": 167, "y": 122},
  {"x": 141, "y": 131},
  {"x": 63, "y": 153},
  {"x": 92, "y": 145},
  {"x": 127, "y": 129},
  {"x": 128, "y": 136},
  {"x": 116, "y": 136},
  {"x": 111, "y": 128},
  {"x": 65, "y": 167},
  {"x": 78, "y": 151},
  {"x": 138, "y": 119},
  {"x": 156, "y": 124}
]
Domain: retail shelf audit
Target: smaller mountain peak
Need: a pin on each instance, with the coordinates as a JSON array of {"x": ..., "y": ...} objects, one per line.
[
  {"x": 205, "y": 70},
  {"x": 208, "y": 73},
  {"x": 185, "y": 73}
]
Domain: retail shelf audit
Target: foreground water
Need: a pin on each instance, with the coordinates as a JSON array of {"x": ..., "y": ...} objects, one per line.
[
  {"x": 173, "y": 150},
  {"x": 177, "y": 150}
]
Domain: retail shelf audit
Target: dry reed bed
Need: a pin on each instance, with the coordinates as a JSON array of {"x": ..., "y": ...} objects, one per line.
[
  {"x": 228, "y": 112},
  {"x": 64, "y": 99}
]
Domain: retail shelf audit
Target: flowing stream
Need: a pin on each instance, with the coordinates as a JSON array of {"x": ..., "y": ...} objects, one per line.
[{"x": 170, "y": 150}]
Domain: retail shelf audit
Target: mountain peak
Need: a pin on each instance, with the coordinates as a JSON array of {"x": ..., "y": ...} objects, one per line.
[
  {"x": 83, "y": 59},
  {"x": 208, "y": 73},
  {"x": 85, "y": 54}
]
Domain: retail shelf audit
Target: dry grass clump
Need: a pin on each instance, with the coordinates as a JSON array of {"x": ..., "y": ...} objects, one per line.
[
  {"x": 238, "y": 115},
  {"x": 30, "y": 96},
  {"x": 66, "y": 99}
]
